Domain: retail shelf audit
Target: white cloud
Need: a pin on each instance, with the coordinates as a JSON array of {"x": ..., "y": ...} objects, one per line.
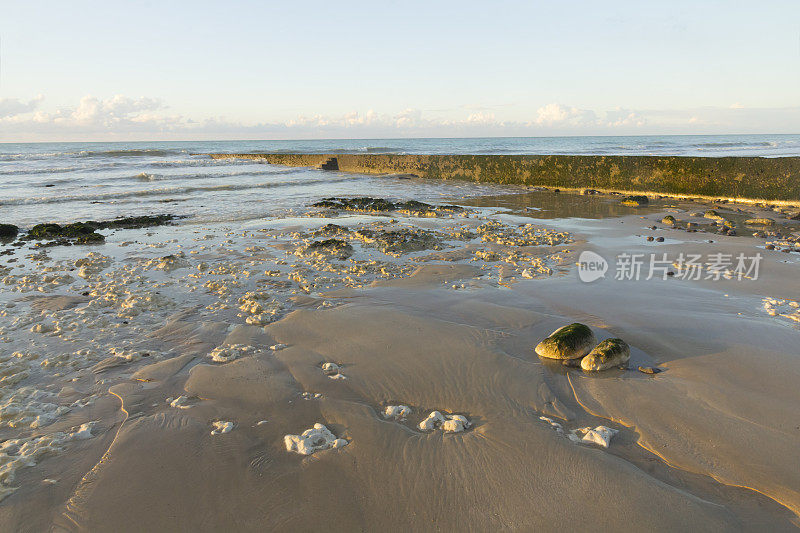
[
  {"x": 560, "y": 115},
  {"x": 125, "y": 118},
  {"x": 12, "y": 107},
  {"x": 621, "y": 117}
]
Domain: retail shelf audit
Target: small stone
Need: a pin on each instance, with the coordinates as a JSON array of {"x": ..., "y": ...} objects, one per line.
[
  {"x": 650, "y": 238},
  {"x": 659, "y": 239},
  {"x": 669, "y": 220},
  {"x": 649, "y": 370}
]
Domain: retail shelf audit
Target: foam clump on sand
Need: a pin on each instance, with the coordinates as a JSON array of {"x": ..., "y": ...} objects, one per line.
[
  {"x": 398, "y": 412},
  {"x": 778, "y": 307},
  {"x": 221, "y": 427},
  {"x": 259, "y": 308},
  {"x": 448, "y": 423},
  {"x": 313, "y": 440},
  {"x": 92, "y": 264},
  {"x": 181, "y": 402},
  {"x": 601, "y": 435},
  {"x": 553, "y": 424},
  {"x": 29, "y": 407},
  {"x": 227, "y": 353},
  {"x": 333, "y": 371},
  {"x": 168, "y": 263},
  {"x": 25, "y": 452}
]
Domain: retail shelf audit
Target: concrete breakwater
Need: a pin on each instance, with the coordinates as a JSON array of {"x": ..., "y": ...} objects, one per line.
[{"x": 724, "y": 177}]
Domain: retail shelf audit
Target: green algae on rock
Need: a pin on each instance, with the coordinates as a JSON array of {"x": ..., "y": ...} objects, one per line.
[
  {"x": 607, "y": 354},
  {"x": 368, "y": 204},
  {"x": 75, "y": 233},
  {"x": 569, "y": 342},
  {"x": 86, "y": 232},
  {"x": 669, "y": 219},
  {"x": 728, "y": 177},
  {"x": 636, "y": 200}
]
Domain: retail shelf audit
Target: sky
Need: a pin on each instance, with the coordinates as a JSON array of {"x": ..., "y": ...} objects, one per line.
[{"x": 174, "y": 70}]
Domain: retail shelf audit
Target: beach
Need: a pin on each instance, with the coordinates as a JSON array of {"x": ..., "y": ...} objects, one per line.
[{"x": 162, "y": 375}]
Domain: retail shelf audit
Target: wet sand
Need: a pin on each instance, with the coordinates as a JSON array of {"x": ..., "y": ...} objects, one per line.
[{"x": 192, "y": 352}]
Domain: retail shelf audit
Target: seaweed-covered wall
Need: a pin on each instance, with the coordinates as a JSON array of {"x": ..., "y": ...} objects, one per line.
[{"x": 730, "y": 177}]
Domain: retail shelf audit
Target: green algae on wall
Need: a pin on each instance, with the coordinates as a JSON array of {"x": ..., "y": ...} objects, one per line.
[{"x": 729, "y": 177}]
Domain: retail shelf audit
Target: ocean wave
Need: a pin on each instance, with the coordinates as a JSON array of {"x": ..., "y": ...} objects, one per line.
[
  {"x": 264, "y": 171},
  {"x": 30, "y": 156},
  {"x": 57, "y": 170},
  {"x": 733, "y": 144},
  {"x": 143, "y": 152},
  {"x": 166, "y": 191},
  {"x": 205, "y": 162}
]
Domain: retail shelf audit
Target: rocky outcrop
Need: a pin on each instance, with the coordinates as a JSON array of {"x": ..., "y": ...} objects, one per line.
[{"x": 731, "y": 177}]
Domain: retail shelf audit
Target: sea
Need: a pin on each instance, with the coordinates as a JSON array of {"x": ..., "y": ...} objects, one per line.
[{"x": 67, "y": 182}]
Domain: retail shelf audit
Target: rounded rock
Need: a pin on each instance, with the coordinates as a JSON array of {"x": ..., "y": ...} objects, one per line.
[
  {"x": 569, "y": 342},
  {"x": 607, "y": 354}
]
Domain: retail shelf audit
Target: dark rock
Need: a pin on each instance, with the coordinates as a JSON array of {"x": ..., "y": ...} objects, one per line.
[
  {"x": 379, "y": 204},
  {"x": 659, "y": 239},
  {"x": 650, "y": 238},
  {"x": 330, "y": 164},
  {"x": 86, "y": 232},
  {"x": 8, "y": 231},
  {"x": 635, "y": 200}
]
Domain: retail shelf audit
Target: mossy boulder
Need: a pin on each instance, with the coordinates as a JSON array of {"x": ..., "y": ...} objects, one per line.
[
  {"x": 608, "y": 354},
  {"x": 713, "y": 215},
  {"x": 669, "y": 220},
  {"x": 45, "y": 231},
  {"x": 569, "y": 342},
  {"x": 8, "y": 231},
  {"x": 635, "y": 200},
  {"x": 77, "y": 233}
]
